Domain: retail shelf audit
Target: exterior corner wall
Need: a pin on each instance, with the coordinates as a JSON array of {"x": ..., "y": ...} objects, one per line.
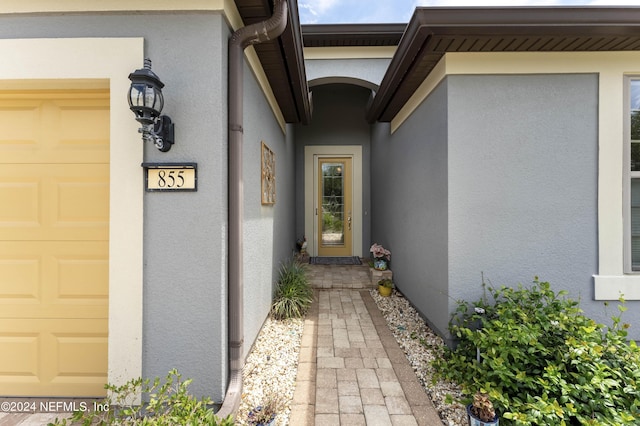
[
  {"x": 185, "y": 309},
  {"x": 523, "y": 170},
  {"x": 409, "y": 171}
]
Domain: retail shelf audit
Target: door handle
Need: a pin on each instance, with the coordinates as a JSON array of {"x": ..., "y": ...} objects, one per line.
[{"x": 349, "y": 222}]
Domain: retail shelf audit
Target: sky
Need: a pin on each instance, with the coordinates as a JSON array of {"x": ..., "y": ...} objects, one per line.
[{"x": 400, "y": 11}]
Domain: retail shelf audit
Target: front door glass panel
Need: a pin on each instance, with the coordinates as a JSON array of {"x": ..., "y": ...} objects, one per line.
[{"x": 333, "y": 204}]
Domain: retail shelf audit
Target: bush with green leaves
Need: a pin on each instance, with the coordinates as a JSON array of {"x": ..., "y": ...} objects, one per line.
[
  {"x": 542, "y": 361},
  {"x": 293, "y": 294},
  {"x": 169, "y": 404}
]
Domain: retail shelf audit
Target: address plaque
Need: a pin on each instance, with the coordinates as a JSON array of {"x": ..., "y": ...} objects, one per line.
[{"x": 170, "y": 176}]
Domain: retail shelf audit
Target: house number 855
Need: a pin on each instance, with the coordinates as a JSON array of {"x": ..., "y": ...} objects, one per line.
[{"x": 170, "y": 179}]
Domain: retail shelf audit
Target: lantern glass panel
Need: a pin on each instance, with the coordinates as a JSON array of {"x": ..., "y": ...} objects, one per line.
[
  {"x": 136, "y": 98},
  {"x": 158, "y": 101}
]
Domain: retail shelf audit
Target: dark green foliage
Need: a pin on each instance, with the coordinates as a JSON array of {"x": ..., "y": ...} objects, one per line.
[
  {"x": 169, "y": 404},
  {"x": 293, "y": 294},
  {"x": 386, "y": 282},
  {"x": 543, "y": 362}
]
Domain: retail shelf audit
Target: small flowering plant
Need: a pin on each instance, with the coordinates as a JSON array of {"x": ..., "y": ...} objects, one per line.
[{"x": 380, "y": 252}]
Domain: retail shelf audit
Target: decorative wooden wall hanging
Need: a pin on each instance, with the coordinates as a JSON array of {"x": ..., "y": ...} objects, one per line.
[{"x": 268, "y": 175}]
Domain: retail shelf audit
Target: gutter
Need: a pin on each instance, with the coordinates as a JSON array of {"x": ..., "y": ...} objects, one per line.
[{"x": 240, "y": 40}]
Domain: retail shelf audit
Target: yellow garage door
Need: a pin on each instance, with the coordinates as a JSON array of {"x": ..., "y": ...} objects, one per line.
[{"x": 54, "y": 230}]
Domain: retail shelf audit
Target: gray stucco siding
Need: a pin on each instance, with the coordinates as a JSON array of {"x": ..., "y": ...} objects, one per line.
[
  {"x": 523, "y": 168},
  {"x": 492, "y": 176},
  {"x": 269, "y": 237},
  {"x": 409, "y": 171},
  {"x": 194, "y": 342}
]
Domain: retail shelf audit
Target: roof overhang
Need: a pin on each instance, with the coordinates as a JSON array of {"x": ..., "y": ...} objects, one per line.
[
  {"x": 352, "y": 35},
  {"x": 282, "y": 59},
  {"x": 433, "y": 32}
]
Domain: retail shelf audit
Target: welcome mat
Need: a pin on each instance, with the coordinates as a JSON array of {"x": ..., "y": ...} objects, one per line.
[{"x": 329, "y": 260}]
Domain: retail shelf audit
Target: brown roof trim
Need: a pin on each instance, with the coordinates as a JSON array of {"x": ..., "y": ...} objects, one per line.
[
  {"x": 292, "y": 45},
  {"x": 432, "y": 32},
  {"x": 352, "y": 35},
  {"x": 282, "y": 59}
]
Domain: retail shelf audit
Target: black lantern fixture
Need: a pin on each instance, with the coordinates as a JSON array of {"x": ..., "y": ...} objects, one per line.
[{"x": 146, "y": 102}]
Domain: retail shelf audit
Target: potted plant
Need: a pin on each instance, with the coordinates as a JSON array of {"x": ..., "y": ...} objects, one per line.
[
  {"x": 265, "y": 414},
  {"x": 381, "y": 257},
  {"x": 385, "y": 286},
  {"x": 481, "y": 411}
]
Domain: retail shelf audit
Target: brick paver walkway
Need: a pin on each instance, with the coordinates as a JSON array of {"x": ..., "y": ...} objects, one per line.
[{"x": 351, "y": 370}]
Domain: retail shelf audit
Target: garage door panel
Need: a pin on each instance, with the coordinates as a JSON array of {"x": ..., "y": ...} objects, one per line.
[
  {"x": 21, "y": 353},
  {"x": 54, "y": 202},
  {"x": 81, "y": 355},
  {"x": 84, "y": 131},
  {"x": 54, "y": 357},
  {"x": 73, "y": 273},
  {"x": 19, "y": 134},
  {"x": 83, "y": 204},
  {"x": 57, "y": 128},
  {"x": 54, "y": 279},
  {"x": 54, "y": 242},
  {"x": 20, "y": 277},
  {"x": 21, "y": 209}
]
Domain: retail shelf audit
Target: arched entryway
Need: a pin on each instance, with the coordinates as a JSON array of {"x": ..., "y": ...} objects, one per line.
[{"x": 332, "y": 159}]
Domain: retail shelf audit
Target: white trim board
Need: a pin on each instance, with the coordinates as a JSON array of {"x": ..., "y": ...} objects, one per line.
[{"x": 101, "y": 62}]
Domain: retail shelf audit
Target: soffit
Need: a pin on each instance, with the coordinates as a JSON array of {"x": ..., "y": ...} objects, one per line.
[
  {"x": 282, "y": 59},
  {"x": 346, "y": 35},
  {"x": 433, "y": 32}
]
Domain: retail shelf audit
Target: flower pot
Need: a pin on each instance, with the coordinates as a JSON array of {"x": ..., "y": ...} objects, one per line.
[
  {"x": 384, "y": 291},
  {"x": 380, "y": 264},
  {"x": 474, "y": 421}
]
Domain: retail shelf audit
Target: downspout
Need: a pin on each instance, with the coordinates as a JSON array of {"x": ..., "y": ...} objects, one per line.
[{"x": 240, "y": 40}]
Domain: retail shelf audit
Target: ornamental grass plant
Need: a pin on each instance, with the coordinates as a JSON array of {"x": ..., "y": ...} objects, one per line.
[
  {"x": 264, "y": 414},
  {"x": 293, "y": 294},
  {"x": 542, "y": 362}
]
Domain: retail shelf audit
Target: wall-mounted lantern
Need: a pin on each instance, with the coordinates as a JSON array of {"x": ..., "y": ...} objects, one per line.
[{"x": 146, "y": 102}]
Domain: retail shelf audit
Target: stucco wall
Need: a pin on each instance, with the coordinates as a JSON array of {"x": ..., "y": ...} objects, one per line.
[
  {"x": 338, "y": 119},
  {"x": 494, "y": 176},
  {"x": 523, "y": 161},
  {"x": 185, "y": 296},
  {"x": 268, "y": 229},
  {"x": 185, "y": 299},
  {"x": 409, "y": 204}
]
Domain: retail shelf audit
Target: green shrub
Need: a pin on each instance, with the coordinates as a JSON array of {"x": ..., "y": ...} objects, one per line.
[
  {"x": 542, "y": 361},
  {"x": 169, "y": 404},
  {"x": 293, "y": 294}
]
